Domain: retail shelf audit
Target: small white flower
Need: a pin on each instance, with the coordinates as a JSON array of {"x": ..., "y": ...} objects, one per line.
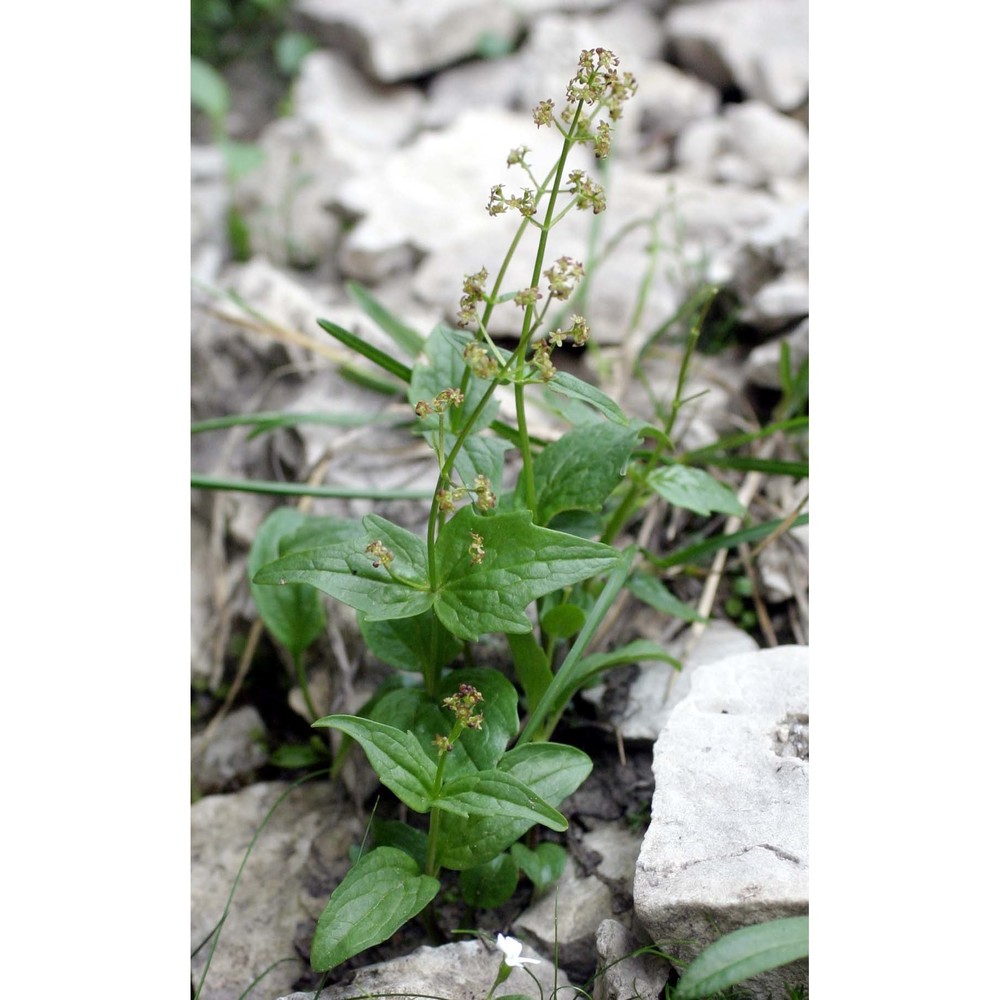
[{"x": 511, "y": 949}]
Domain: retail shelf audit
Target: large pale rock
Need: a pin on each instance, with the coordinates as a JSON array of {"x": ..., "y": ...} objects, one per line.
[
  {"x": 761, "y": 46},
  {"x": 401, "y": 39},
  {"x": 763, "y": 362},
  {"x": 263, "y": 918},
  {"x": 728, "y": 842},
  {"x": 464, "y": 970}
]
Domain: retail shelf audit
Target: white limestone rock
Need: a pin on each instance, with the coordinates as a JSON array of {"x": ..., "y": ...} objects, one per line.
[
  {"x": 779, "y": 302},
  {"x": 623, "y": 975},
  {"x": 266, "y": 910},
  {"x": 760, "y": 46},
  {"x": 728, "y": 842},
  {"x": 402, "y": 39},
  {"x": 464, "y": 970},
  {"x": 233, "y": 754}
]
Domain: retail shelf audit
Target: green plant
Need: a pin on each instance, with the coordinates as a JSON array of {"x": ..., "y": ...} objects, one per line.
[{"x": 461, "y": 745}]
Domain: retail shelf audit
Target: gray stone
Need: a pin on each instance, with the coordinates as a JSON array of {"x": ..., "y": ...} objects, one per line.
[
  {"x": 358, "y": 120},
  {"x": 623, "y": 975},
  {"x": 266, "y": 911},
  {"x": 402, "y": 39},
  {"x": 464, "y": 970},
  {"x": 728, "y": 843},
  {"x": 780, "y": 302},
  {"x": 235, "y": 752},
  {"x": 759, "y": 45},
  {"x": 569, "y": 913},
  {"x": 285, "y": 201},
  {"x": 762, "y": 364},
  {"x": 776, "y": 145}
]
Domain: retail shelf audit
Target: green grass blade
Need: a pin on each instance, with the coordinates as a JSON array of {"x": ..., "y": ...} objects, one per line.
[
  {"x": 268, "y": 421},
  {"x": 692, "y": 553},
  {"x": 303, "y": 490},
  {"x": 404, "y": 336},
  {"x": 355, "y": 343},
  {"x": 774, "y": 467}
]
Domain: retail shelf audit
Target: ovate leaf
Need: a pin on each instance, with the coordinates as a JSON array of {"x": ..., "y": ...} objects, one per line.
[
  {"x": 498, "y": 794},
  {"x": 651, "y": 591},
  {"x": 522, "y": 562},
  {"x": 293, "y": 614},
  {"x": 408, "y": 643},
  {"x": 377, "y": 896},
  {"x": 346, "y": 571},
  {"x": 694, "y": 489},
  {"x": 396, "y": 756},
  {"x": 579, "y": 471}
]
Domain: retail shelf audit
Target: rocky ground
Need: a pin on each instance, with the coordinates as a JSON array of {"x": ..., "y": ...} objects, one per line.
[{"x": 394, "y": 131}]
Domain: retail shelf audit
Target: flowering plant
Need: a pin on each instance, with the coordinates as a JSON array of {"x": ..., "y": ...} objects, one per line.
[{"x": 455, "y": 748}]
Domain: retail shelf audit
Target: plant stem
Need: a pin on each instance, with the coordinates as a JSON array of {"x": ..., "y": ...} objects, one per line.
[{"x": 300, "y": 673}]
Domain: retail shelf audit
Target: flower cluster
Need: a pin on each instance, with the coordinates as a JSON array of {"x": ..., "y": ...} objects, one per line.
[
  {"x": 499, "y": 203},
  {"x": 563, "y": 277},
  {"x": 597, "y": 80},
  {"x": 587, "y": 193},
  {"x": 578, "y": 334},
  {"x": 477, "y": 552},
  {"x": 526, "y": 297},
  {"x": 482, "y": 363},
  {"x": 463, "y": 703},
  {"x": 473, "y": 291},
  {"x": 440, "y": 403},
  {"x": 383, "y": 556},
  {"x": 485, "y": 500}
]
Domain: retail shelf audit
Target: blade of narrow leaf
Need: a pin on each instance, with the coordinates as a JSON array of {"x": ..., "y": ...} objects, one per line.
[
  {"x": 710, "y": 545},
  {"x": 269, "y": 421},
  {"x": 366, "y": 350},
  {"x": 522, "y": 562},
  {"x": 303, "y": 489},
  {"x": 744, "y": 953},
  {"x": 568, "y": 678},
  {"x": 377, "y": 896},
  {"x": 405, "y": 337},
  {"x": 773, "y": 466},
  {"x": 632, "y": 652},
  {"x": 651, "y": 591},
  {"x": 694, "y": 489},
  {"x": 396, "y": 756}
]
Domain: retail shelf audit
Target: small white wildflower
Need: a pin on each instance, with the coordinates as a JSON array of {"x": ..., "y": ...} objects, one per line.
[{"x": 511, "y": 949}]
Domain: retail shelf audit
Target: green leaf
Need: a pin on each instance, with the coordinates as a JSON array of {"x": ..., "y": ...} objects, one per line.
[
  {"x": 651, "y": 591},
  {"x": 408, "y": 643},
  {"x": 444, "y": 370},
  {"x": 241, "y": 157},
  {"x": 579, "y": 471},
  {"x": 394, "y": 833},
  {"x": 497, "y": 794},
  {"x": 209, "y": 92},
  {"x": 290, "y": 49},
  {"x": 551, "y": 770},
  {"x": 522, "y": 562},
  {"x": 366, "y": 350},
  {"x": 632, "y": 652},
  {"x": 405, "y": 336},
  {"x": 744, "y": 953},
  {"x": 397, "y": 757},
  {"x": 294, "y": 614},
  {"x": 694, "y": 489},
  {"x": 543, "y": 865},
  {"x": 486, "y": 746},
  {"x": 531, "y": 665},
  {"x": 346, "y": 571},
  {"x": 570, "y": 385},
  {"x": 317, "y": 532},
  {"x": 479, "y": 455},
  {"x": 691, "y": 553},
  {"x": 563, "y": 621},
  {"x": 491, "y": 884},
  {"x": 377, "y": 896}
]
